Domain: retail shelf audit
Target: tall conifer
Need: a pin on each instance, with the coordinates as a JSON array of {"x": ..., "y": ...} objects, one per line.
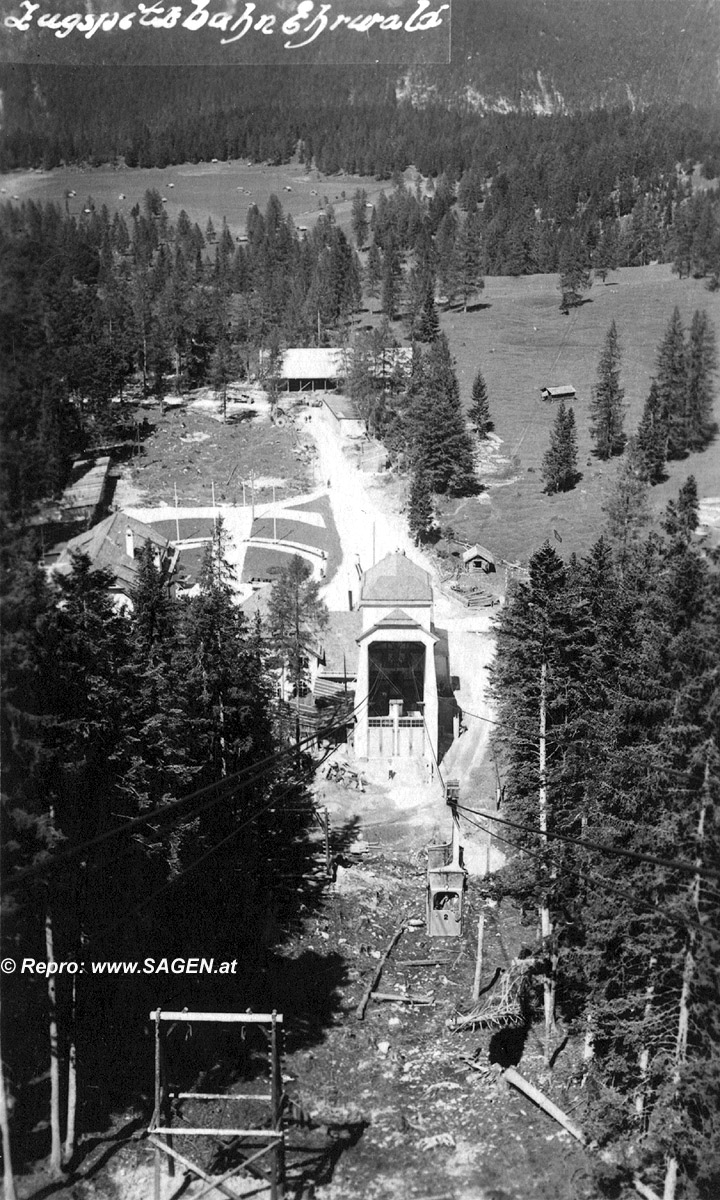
[
  {"x": 606, "y": 406},
  {"x": 479, "y": 411},
  {"x": 672, "y": 384},
  {"x": 559, "y": 466},
  {"x": 651, "y": 438},
  {"x": 701, "y": 367},
  {"x": 420, "y": 507}
]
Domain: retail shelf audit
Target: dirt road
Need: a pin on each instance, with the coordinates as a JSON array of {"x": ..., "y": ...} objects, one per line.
[{"x": 371, "y": 526}]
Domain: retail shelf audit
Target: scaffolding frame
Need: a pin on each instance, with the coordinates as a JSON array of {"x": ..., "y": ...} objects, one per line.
[{"x": 161, "y": 1131}]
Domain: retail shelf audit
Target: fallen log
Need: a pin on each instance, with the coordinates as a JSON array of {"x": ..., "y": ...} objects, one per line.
[
  {"x": 516, "y": 1079},
  {"x": 360, "y": 1010},
  {"x": 479, "y": 959},
  {"x": 403, "y": 998},
  {"x": 533, "y": 1093},
  {"x": 423, "y": 962}
]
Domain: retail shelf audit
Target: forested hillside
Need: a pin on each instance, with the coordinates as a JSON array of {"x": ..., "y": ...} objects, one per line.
[
  {"x": 607, "y": 689},
  {"x": 509, "y": 56}
]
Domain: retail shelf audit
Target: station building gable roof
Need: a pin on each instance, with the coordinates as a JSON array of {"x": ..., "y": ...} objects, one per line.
[{"x": 394, "y": 581}]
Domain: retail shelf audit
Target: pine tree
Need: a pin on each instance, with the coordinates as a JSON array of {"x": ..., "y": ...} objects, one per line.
[
  {"x": 445, "y": 241},
  {"x": 627, "y": 511},
  {"x": 682, "y": 515},
  {"x": 651, "y": 438},
  {"x": 606, "y": 406},
  {"x": 390, "y": 281},
  {"x": 605, "y": 258},
  {"x": 359, "y": 218},
  {"x": 538, "y": 683},
  {"x": 428, "y": 325},
  {"x": 672, "y": 385},
  {"x": 479, "y": 411},
  {"x": 559, "y": 466},
  {"x": 701, "y": 366},
  {"x": 575, "y": 272},
  {"x": 420, "y": 508},
  {"x": 373, "y": 271},
  {"x": 468, "y": 254},
  {"x": 296, "y": 618},
  {"x": 439, "y": 443}
]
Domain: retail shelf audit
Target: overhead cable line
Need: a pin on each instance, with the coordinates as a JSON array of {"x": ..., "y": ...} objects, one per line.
[
  {"x": 197, "y": 861},
  {"x": 635, "y": 855},
  {"x": 596, "y": 879},
  {"x": 221, "y": 787}
]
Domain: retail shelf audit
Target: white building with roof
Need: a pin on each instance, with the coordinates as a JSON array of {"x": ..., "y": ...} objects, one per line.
[
  {"x": 396, "y": 695},
  {"x": 312, "y": 368},
  {"x": 115, "y": 545}
]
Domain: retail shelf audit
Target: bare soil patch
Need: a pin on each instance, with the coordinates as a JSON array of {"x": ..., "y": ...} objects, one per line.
[{"x": 229, "y": 456}]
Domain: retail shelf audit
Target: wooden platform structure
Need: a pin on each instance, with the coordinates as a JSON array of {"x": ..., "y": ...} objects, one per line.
[{"x": 270, "y": 1137}]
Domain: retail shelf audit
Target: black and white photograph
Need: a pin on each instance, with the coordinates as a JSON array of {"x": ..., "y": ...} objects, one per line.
[{"x": 360, "y": 599}]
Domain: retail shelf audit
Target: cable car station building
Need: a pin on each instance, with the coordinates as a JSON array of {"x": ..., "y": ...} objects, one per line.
[{"x": 397, "y": 688}]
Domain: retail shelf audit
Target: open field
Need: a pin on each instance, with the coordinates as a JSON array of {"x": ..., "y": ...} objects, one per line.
[
  {"x": 521, "y": 341},
  {"x": 216, "y": 190}
]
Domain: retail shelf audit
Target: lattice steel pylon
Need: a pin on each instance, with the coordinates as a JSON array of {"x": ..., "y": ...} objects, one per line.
[{"x": 161, "y": 1133}]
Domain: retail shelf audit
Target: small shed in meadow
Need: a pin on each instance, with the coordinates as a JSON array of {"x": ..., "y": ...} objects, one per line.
[
  {"x": 477, "y": 558},
  {"x": 563, "y": 392}
]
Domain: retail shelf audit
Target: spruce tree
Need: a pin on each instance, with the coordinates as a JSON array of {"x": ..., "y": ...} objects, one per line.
[
  {"x": 468, "y": 251},
  {"x": 682, "y": 515},
  {"x": 672, "y": 384},
  {"x": 701, "y": 366},
  {"x": 420, "y": 507},
  {"x": 651, "y": 438},
  {"x": 479, "y": 411},
  {"x": 390, "y": 280},
  {"x": 559, "y": 466},
  {"x": 606, "y": 406},
  {"x": 428, "y": 325},
  {"x": 439, "y": 443},
  {"x": 219, "y": 675},
  {"x": 359, "y": 220},
  {"x": 575, "y": 272},
  {"x": 538, "y": 681},
  {"x": 296, "y": 618},
  {"x": 627, "y": 511},
  {"x": 373, "y": 271}
]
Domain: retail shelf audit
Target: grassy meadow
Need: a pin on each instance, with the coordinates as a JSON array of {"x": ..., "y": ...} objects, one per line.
[
  {"x": 204, "y": 190},
  {"x": 520, "y": 340}
]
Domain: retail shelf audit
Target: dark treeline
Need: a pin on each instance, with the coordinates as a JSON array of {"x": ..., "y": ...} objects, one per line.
[
  {"x": 607, "y": 690},
  {"x": 110, "y": 717}
]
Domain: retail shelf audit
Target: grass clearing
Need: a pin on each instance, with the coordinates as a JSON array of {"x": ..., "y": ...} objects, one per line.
[
  {"x": 521, "y": 341},
  {"x": 204, "y": 190}
]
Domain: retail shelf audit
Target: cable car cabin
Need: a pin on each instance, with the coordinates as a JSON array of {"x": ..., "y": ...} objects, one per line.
[{"x": 445, "y": 893}]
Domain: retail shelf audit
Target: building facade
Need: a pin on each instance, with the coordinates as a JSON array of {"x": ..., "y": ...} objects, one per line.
[{"x": 396, "y": 696}]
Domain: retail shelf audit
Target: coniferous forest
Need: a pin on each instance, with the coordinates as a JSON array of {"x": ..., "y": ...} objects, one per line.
[
  {"x": 606, "y": 683},
  {"x": 144, "y": 759}
]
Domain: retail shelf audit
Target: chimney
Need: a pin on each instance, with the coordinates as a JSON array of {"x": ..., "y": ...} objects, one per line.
[{"x": 129, "y": 543}]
